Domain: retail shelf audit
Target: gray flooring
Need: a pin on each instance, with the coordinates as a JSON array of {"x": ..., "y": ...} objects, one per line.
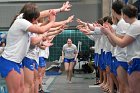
[{"x": 81, "y": 83}]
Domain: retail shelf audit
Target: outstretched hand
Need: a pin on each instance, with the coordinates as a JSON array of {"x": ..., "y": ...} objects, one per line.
[
  {"x": 66, "y": 7},
  {"x": 80, "y": 22},
  {"x": 91, "y": 26},
  {"x": 47, "y": 44},
  {"x": 70, "y": 19},
  {"x": 52, "y": 15},
  {"x": 105, "y": 29},
  {"x": 85, "y": 30}
]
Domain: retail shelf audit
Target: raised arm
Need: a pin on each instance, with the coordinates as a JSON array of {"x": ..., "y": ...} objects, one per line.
[
  {"x": 41, "y": 29},
  {"x": 36, "y": 40},
  {"x": 120, "y": 41},
  {"x": 68, "y": 20},
  {"x": 54, "y": 32},
  {"x": 64, "y": 22},
  {"x": 65, "y": 7}
]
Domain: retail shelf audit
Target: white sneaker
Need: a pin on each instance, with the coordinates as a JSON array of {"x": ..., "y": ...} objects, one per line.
[
  {"x": 69, "y": 82},
  {"x": 94, "y": 72}
]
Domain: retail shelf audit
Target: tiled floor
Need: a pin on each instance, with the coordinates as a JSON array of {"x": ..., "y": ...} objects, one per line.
[
  {"x": 81, "y": 83},
  {"x": 3, "y": 88}
]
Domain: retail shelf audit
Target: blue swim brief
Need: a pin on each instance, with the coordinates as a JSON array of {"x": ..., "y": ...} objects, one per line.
[
  {"x": 36, "y": 65},
  {"x": 29, "y": 63},
  {"x": 96, "y": 59},
  {"x": 134, "y": 65},
  {"x": 108, "y": 58},
  {"x": 69, "y": 60},
  {"x": 42, "y": 62},
  {"x": 124, "y": 65},
  {"x": 6, "y": 66}
]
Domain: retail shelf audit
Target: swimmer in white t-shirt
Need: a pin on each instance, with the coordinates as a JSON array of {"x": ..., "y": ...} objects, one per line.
[
  {"x": 131, "y": 41},
  {"x": 17, "y": 45}
]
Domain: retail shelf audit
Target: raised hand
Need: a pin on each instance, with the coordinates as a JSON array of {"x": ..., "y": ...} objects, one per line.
[
  {"x": 91, "y": 26},
  {"x": 96, "y": 24},
  {"x": 47, "y": 44},
  {"x": 80, "y": 22},
  {"x": 111, "y": 28},
  {"x": 64, "y": 27},
  {"x": 52, "y": 11},
  {"x": 70, "y": 19},
  {"x": 52, "y": 15},
  {"x": 85, "y": 30},
  {"x": 66, "y": 7},
  {"x": 105, "y": 29},
  {"x": 79, "y": 26},
  {"x": 61, "y": 30}
]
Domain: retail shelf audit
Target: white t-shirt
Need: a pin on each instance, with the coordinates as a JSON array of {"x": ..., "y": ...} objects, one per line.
[
  {"x": 112, "y": 47},
  {"x": 69, "y": 51},
  {"x": 120, "y": 53},
  {"x": 133, "y": 50},
  {"x": 17, "y": 41},
  {"x": 97, "y": 34},
  {"x": 101, "y": 44},
  {"x": 91, "y": 37},
  {"x": 33, "y": 52},
  {"x": 109, "y": 47},
  {"x": 96, "y": 39},
  {"x": 96, "y": 31},
  {"x": 102, "y": 41},
  {"x": 44, "y": 53},
  {"x": 97, "y": 44}
]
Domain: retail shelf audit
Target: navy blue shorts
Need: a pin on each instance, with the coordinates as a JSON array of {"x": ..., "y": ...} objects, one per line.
[
  {"x": 112, "y": 66},
  {"x": 6, "y": 66},
  {"x": 102, "y": 63},
  {"x": 124, "y": 65},
  {"x": 29, "y": 63},
  {"x": 36, "y": 65},
  {"x": 134, "y": 66},
  {"x": 108, "y": 59},
  {"x": 69, "y": 60},
  {"x": 21, "y": 65},
  {"x": 96, "y": 59},
  {"x": 42, "y": 62}
]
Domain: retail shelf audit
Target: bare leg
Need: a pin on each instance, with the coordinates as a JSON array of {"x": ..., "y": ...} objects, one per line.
[
  {"x": 67, "y": 69},
  {"x": 71, "y": 70},
  {"x": 114, "y": 79},
  {"x": 123, "y": 81},
  {"x": 101, "y": 75},
  {"x": 28, "y": 80},
  {"x": 104, "y": 79},
  {"x": 40, "y": 76},
  {"x": 36, "y": 81},
  {"x": 106, "y": 87},
  {"x": 134, "y": 82},
  {"x": 13, "y": 81},
  {"x": 22, "y": 80},
  {"x": 111, "y": 84}
]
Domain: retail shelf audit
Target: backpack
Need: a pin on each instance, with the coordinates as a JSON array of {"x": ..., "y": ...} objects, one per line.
[{"x": 86, "y": 68}]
